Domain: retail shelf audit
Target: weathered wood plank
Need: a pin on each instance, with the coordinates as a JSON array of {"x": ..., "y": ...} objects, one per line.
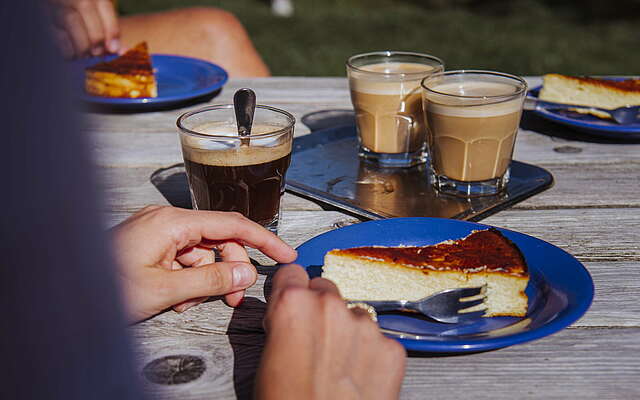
[
  {"x": 606, "y": 185},
  {"x": 588, "y": 234},
  {"x": 609, "y": 185},
  {"x": 575, "y": 363},
  {"x": 129, "y": 189},
  {"x": 154, "y": 141}
]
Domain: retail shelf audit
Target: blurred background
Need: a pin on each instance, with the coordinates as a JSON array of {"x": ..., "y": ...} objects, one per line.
[{"x": 524, "y": 37}]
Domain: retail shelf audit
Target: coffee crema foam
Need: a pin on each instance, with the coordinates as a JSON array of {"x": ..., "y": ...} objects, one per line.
[
  {"x": 397, "y": 68},
  {"x": 473, "y": 108},
  {"x": 388, "y": 84},
  {"x": 220, "y": 153}
]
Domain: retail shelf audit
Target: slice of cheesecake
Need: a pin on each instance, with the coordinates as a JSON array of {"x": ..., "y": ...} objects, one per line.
[
  {"x": 411, "y": 273},
  {"x": 130, "y": 75},
  {"x": 590, "y": 92}
]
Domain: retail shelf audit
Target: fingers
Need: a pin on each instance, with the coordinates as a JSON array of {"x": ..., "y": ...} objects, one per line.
[
  {"x": 293, "y": 280},
  {"x": 188, "y": 228},
  {"x": 208, "y": 280},
  {"x": 234, "y": 299},
  {"x": 185, "y": 305},
  {"x": 232, "y": 251},
  {"x": 197, "y": 256},
  {"x": 324, "y": 285},
  {"x": 93, "y": 26},
  {"x": 73, "y": 24},
  {"x": 193, "y": 257},
  {"x": 287, "y": 277},
  {"x": 109, "y": 18},
  {"x": 213, "y": 225}
]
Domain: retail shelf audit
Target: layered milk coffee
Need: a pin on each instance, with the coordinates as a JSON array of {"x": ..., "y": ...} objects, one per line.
[
  {"x": 246, "y": 178},
  {"x": 389, "y": 108},
  {"x": 472, "y": 143}
]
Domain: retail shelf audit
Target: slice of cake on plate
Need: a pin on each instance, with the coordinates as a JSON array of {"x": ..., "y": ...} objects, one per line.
[
  {"x": 411, "y": 273},
  {"x": 590, "y": 92},
  {"x": 130, "y": 76}
]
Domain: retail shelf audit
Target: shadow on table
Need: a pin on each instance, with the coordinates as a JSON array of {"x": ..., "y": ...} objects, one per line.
[
  {"x": 172, "y": 183},
  {"x": 532, "y": 122},
  {"x": 246, "y": 336},
  {"x": 326, "y": 119}
]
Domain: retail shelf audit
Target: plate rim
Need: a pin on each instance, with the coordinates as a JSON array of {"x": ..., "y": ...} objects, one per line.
[
  {"x": 584, "y": 296},
  {"x": 584, "y": 126},
  {"x": 162, "y": 100}
]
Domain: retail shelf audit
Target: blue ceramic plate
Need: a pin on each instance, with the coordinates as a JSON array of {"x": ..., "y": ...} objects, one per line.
[
  {"x": 179, "y": 79},
  {"x": 589, "y": 124},
  {"x": 560, "y": 288}
]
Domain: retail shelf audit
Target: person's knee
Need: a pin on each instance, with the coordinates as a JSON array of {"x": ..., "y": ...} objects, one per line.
[{"x": 214, "y": 22}]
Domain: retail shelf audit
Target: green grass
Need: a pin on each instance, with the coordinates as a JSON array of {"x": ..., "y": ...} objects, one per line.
[{"x": 525, "y": 37}]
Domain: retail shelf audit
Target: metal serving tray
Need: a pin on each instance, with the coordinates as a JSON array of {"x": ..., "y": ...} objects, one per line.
[{"x": 325, "y": 167}]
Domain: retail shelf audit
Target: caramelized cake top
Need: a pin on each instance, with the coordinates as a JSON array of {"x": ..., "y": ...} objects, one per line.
[
  {"x": 135, "y": 61},
  {"x": 486, "y": 251},
  {"x": 627, "y": 85}
]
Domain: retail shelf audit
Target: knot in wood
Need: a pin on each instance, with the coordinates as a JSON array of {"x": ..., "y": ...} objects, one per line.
[
  {"x": 172, "y": 370},
  {"x": 343, "y": 222},
  {"x": 567, "y": 149}
]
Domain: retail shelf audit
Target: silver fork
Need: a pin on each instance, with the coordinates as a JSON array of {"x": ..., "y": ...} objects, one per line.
[
  {"x": 623, "y": 115},
  {"x": 449, "y": 306}
]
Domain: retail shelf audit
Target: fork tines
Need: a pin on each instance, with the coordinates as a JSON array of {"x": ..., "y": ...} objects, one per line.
[
  {"x": 472, "y": 291},
  {"x": 468, "y": 302}
]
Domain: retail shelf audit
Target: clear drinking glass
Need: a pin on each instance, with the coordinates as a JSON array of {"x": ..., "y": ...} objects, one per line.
[
  {"x": 228, "y": 172},
  {"x": 385, "y": 92},
  {"x": 472, "y": 121}
]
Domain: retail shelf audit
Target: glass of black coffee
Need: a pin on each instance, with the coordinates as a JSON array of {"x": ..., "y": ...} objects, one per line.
[{"x": 229, "y": 172}]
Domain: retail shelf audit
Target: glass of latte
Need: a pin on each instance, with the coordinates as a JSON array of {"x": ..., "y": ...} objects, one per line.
[
  {"x": 385, "y": 92},
  {"x": 472, "y": 119},
  {"x": 229, "y": 172}
]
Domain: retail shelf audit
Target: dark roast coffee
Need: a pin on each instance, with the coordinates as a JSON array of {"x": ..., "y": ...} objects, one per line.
[
  {"x": 229, "y": 175},
  {"x": 253, "y": 190},
  {"x": 227, "y": 172}
]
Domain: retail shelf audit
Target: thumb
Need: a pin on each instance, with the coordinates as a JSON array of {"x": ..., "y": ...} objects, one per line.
[{"x": 209, "y": 280}]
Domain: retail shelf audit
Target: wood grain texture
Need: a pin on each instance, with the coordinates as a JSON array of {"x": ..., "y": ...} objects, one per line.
[
  {"x": 577, "y": 363},
  {"x": 589, "y": 234},
  {"x": 133, "y": 188},
  {"x": 593, "y": 212},
  {"x": 155, "y": 143}
]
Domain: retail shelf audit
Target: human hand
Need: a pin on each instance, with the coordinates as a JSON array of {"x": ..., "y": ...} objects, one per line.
[
  {"x": 316, "y": 348},
  {"x": 85, "y": 27},
  {"x": 155, "y": 245}
]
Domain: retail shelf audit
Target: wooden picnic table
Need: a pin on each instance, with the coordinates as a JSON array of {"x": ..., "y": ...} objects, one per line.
[{"x": 593, "y": 212}]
